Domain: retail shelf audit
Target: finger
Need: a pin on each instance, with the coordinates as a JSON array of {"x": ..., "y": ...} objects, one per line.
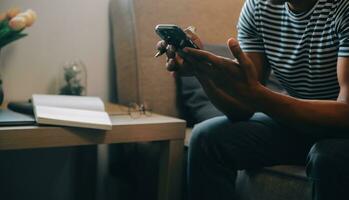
[
  {"x": 197, "y": 65},
  {"x": 171, "y": 51},
  {"x": 244, "y": 62},
  {"x": 202, "y": 55},
  {"x": 161, "y": 45},
  {"x": 189, "y": 59},
  {"x": 190, "y": 32},
  {"x": 237, "y": 52},
  {"x": 176, "y": 64},
  {"x": 179, "y": 59},
  {"x": 191, "y": 29},
  {"x": 179, "y": 66},
  {"x": 172, "y": 65}
]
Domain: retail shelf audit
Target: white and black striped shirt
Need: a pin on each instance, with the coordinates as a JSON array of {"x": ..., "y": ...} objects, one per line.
[{"x": 302, "y": 49}]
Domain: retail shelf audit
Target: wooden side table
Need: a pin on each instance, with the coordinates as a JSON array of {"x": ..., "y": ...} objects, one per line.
[{"x": 170, "y": 131}]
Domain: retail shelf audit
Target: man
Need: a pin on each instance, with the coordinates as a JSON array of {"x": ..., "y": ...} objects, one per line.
[{"x": 306, "y": 43}]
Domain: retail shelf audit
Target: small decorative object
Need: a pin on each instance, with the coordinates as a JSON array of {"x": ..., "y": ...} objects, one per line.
[
  {"x": 73, "y": 80},
  {"x": 12, "y": 24},
  {"x": 138, "y": 110}
]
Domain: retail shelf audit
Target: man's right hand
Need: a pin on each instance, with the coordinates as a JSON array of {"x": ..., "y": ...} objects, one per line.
[{"x": 174, "y": 62}]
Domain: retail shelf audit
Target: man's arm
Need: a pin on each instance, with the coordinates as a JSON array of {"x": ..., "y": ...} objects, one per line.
[
  {"x": 308, "y": 112},
  {"x": 251, "y": 92}
]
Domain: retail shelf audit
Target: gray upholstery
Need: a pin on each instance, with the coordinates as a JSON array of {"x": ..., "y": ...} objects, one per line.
[
  {"x": 142, "y": 78},
  {"x": 276, "y": 183}
]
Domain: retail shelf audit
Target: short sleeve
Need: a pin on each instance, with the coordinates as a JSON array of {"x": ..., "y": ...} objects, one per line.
[
  {"x": 343, "y": 29},
  {"x": 248, "y": 35}
]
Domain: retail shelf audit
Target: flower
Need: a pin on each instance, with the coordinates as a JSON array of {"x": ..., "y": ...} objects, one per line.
[
  {"x": 17, "y": 23},
  {"x": 22, "y": 20},
  {"x": 13, "y": 12},
  {"x": 12, "y": 24},
  {"x": 33, "y": 13},
  {"x": 30, "y": 17}
]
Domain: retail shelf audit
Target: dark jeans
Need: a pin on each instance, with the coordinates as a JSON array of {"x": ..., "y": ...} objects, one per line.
[{"x": 218, "y": 148}]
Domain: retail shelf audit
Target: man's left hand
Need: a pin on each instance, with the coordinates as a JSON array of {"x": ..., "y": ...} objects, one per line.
[{"x": 238, "y": 78}]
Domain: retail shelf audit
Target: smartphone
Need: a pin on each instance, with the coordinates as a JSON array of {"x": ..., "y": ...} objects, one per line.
[{"x": 175, "y": 36}]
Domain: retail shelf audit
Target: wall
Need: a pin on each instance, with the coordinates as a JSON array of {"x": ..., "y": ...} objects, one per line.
[{"x": 65, "y": 30}]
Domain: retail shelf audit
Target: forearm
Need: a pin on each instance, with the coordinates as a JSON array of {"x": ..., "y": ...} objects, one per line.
[{"x": 301, "y": 112}]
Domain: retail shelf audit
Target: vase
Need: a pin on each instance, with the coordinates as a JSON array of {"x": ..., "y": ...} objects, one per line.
[
  {"x": 1, "y": 93},
  {"x": 1, "y": 89}
]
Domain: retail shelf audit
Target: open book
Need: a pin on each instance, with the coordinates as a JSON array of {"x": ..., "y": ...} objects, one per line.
[{"x": 77, "y": 111}]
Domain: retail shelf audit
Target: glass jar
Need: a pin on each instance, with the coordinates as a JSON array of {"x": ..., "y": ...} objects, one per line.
[{"x": 73, "y": 78}]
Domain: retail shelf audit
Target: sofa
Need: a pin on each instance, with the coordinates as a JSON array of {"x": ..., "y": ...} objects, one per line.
[{"x": 142, "y": 78}]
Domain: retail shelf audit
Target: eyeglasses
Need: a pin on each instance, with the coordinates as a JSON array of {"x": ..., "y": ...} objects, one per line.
[
  {"x": 133, "y": 110},
  {"x": 137, "y": 111}
]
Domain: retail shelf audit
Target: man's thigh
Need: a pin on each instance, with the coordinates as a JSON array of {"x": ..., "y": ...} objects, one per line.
[
  {"x": 328, "y": 169},
  {"x": 329, "y": 159},
  {"x": 258, "y": 142}
]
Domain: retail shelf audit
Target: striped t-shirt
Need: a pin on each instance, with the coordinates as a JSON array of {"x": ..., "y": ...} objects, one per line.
[{"x": 301, "y": 48}]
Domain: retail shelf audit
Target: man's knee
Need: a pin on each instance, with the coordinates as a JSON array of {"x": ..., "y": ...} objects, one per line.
[
  {"x": 325, "y": 161},
  {"x": 214, "y": 136},
  {"x": 205, "y": 132}
]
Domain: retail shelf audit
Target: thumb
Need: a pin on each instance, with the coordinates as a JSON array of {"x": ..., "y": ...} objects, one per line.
[
  {"x": 237, "y": 52},
  {"x": 190, "y": 32}
]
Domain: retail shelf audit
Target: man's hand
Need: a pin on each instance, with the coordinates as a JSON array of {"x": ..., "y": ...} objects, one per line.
[
  {"x": 237, "y": 78},
  {"x": 215, "y": 74},
  {"x": 175, "y": 63}
]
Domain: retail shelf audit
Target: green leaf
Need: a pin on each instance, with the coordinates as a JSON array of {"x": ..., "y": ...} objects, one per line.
[
  {"x": 12, "y": 38},
  {"x": 4, "y": 23},
  {"x": 4, "y": 33}
]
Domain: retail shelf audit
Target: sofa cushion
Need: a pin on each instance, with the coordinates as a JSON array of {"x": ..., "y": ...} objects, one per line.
[
  {"x": 274, "y": 183},
  {"x": 196, "y": 105}
]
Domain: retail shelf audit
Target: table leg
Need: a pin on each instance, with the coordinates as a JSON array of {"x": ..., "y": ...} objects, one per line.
[{"x": 171, "y": 170}]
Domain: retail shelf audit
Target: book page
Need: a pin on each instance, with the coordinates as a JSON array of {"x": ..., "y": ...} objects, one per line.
[
  {"x": 73, "y": 117},
  {"x": 74, "y": 102}
]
